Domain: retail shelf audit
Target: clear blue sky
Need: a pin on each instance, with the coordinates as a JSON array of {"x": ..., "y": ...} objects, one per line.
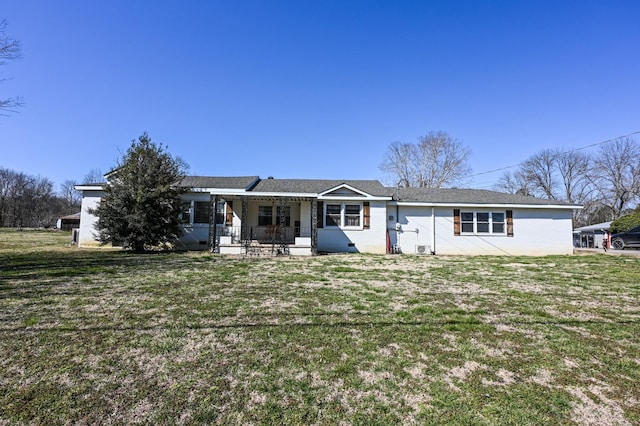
[{"x": 302, "y": 89}]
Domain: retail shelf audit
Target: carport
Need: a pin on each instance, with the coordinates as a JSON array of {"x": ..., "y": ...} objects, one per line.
[{"x": 590, "y": 236}]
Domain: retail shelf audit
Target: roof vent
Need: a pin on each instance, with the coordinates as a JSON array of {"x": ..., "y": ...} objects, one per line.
[{"x": 270, "y": 177}]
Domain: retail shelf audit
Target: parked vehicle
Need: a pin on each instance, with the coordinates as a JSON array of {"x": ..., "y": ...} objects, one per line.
[{"x": 630, "y": 238}]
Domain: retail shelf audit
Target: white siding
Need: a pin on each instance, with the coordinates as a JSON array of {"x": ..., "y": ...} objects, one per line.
[
  {"x": 90, "y": 200},
  {"x": 410, "y": 227},
  {"x": 536, "y": 232},
  {"x": 196, "y": 235},
  {"x": 372, "y": 240}
]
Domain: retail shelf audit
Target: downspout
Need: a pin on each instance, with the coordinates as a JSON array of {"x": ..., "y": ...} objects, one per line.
[
  {"x": 433, "y": 230},
  {"x": 397, "y": 221}
]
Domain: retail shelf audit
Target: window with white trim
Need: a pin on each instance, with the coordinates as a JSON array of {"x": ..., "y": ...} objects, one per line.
[
  {"x": 352, "y": 214},
  {"x": 333, "y": 215},
  {"x": 482, "y": 223},
  {"x": 343, "y": 215},
  {"x": 497, "y": 222},
  {"x": 199, "y": 212},
  {"x": 467, "y": 222}
]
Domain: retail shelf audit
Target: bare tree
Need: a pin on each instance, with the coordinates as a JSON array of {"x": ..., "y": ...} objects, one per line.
[
  {"x": 6, "y": 183},
  {"x": 399, "y": 163},
  {"x": 538, "y": 170},
  {"x": 617, "y": 171},
  {"x": 18, "y": 193},
  {"x": 38, "y": 199},
  {"x": 70, "y": 195},
  {"x": 435, "y": 161},
  {"x": 514, "y": 183},
  {"x": 574, "y": 171},
  {"x": 94, "y": 176},
  {"x": 557, "y": 175},
  {"x": 554, "y": 174},
  {"x": 10, "y": 49}
]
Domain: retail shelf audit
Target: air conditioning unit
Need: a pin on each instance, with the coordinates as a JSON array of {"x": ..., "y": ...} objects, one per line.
[{"x": 423, "y": 249}]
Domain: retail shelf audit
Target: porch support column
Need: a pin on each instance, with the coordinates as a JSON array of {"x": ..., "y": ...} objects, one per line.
[
  {"x": 282, "y": 220},
  {"x": 314, "y": 227},
  {"x": 213, "y": 204},
  {"x": 244, "y": 225}
]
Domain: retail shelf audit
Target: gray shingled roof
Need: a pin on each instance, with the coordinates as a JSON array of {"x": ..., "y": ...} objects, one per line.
[
  {"x": 316, "y": 186},
  {"x": 372, "y": 187},
  {"x": 471, "y": 196},
  {"x": 235, "y": 182}
]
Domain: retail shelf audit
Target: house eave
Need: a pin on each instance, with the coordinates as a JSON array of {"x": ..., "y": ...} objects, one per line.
[
  {"x": 88, "y": 187},
  {"x": 220, "y": 191},
  {"x": 359, "y": 198},
  {"x": 487, "y": 205}
]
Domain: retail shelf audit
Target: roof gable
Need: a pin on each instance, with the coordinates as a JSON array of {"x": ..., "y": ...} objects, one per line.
[{"x": 343, "y": 191}]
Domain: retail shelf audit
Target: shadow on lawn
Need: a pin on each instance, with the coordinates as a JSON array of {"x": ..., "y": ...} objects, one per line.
[
  {"x": 34, "y": 274},
  {"x": 30, "y": 266}
]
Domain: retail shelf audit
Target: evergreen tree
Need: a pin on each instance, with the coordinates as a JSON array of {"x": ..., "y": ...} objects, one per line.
[
  {"x": 626, "y": 223},
  {"x": 141, "y": 206}
]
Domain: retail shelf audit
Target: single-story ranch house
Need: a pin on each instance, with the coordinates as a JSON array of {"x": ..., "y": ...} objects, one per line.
[{"x": 243, "y": 215}]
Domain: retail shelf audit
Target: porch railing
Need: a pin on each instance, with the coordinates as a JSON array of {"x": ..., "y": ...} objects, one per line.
[{"x": 266, "y": 234}]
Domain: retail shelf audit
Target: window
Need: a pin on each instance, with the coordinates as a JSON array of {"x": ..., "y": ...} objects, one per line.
[
  {"x": 466, "y": 219},
  {"x": 482, "y": 222},
  {"x": 497, "y": 223},
  {"x": 265, "y": 215},
  {"x": 287, "y": 215},
  {"x": 201, "y": 211},
  {"x": 185, "y": 212},
  {"x": 343, "y": 215},
  {"x": 352, "y": 215},
  {"x": 334, "y": 215},
  {"x": 220, "y": 213}
]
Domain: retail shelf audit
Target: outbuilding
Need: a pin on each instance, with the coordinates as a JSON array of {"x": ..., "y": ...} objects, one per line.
[{"x": 67, "y": 223}]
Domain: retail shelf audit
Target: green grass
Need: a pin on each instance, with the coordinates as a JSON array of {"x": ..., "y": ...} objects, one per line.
[{"x": 95, "y": 336}]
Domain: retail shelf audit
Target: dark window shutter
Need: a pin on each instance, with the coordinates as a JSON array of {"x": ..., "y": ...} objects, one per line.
[
  {"x": 229, "y": 221},
  {"x": 320, "y": 221},
  {"x": 509, "y": 223},
  {"x": 456, "y": 221},
  {"x": 366, "y": 215}
]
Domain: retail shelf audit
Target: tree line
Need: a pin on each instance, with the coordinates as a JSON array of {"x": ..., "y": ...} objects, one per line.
[{"x": 32, "y": 202}]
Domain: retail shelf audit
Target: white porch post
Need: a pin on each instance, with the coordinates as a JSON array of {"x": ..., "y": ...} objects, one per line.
[{"x": 314, "y": 227}]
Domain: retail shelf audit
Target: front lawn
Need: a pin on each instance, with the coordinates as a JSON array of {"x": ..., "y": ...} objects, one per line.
[{"x": 103, "y": 336}]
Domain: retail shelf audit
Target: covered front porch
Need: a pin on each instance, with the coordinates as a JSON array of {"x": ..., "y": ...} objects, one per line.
[{"x": 259, "y": 225}]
